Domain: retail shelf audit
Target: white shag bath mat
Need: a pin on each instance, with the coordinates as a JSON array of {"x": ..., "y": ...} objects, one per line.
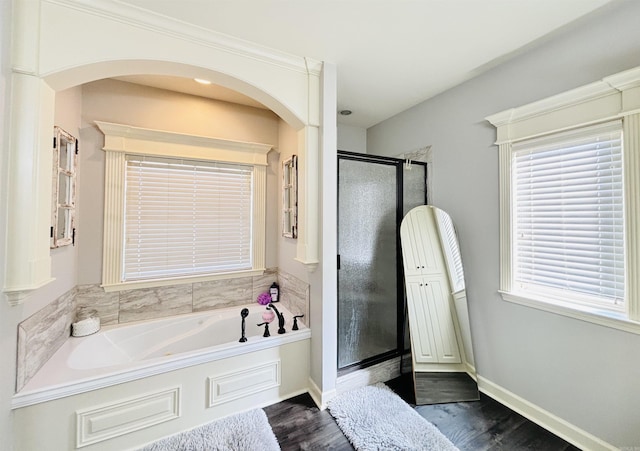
[
  {"x": 248, "y": 431},
  {"x": 375, "y": 418}
]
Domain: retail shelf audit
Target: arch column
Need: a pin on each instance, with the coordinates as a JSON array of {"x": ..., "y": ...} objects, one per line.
[
  {"x": 28, "y": 261},
  {"x": 308, "y": 165}
]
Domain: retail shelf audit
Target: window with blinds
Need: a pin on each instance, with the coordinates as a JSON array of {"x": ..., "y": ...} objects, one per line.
[
  {"x": 568, "y": 229},
  {"x": 186, "y": 217}
]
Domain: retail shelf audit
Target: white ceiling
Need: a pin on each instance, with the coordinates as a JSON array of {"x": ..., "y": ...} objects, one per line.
[{"x": 390, "y": 54}]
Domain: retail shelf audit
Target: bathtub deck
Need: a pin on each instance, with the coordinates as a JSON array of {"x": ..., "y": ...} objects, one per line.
[
  {"x": 128, "y": 352},
  {"x": 477, "y": 425}
]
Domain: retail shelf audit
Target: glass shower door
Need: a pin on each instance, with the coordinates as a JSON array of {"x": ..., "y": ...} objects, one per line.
[
  {"x": 367, "y": 246},
  {"x": 414, "y": 194}
]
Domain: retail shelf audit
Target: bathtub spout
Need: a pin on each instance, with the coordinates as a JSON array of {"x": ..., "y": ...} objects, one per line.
[{"x": 280, "y": 318}]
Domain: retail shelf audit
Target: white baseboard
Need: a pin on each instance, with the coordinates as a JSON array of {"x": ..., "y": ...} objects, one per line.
[
  {"x": 381, "y": 372},
  {"x": 563, "y": 429},
  {"x": 320, "y": 398}
]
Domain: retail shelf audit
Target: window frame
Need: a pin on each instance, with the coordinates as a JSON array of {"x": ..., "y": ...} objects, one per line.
[
  {"x": 63, "y": 195},
  {"x": 526, "y": 153},
  {"x": 122, "y": 140},
  {"x": 614, "y": 98},
  {"x": 290, "y": 197},
  {"x": 202, "y": 217}
]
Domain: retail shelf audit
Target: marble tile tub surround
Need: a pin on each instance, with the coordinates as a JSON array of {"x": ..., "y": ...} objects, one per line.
[
  {"x": 40, "y": 335},
  {"x": 150, "y": 303},
  {"x": 106, "y": 304},
  {"x": 294, "y": 295}
]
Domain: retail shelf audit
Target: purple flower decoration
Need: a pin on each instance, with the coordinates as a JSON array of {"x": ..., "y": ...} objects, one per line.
[{"x": 264, "y": 298}]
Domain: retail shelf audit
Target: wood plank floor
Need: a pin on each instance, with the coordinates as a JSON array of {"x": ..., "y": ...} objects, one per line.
[{"x": 476, "y": 425}]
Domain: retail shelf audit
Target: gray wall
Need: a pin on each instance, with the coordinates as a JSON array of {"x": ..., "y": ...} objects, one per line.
[
  {"x": 352, "y": 139},
  {"x": 586, "y": 374}
]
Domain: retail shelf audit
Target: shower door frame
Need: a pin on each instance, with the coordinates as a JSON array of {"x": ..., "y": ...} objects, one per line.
[{"x": 401, "y": 318}]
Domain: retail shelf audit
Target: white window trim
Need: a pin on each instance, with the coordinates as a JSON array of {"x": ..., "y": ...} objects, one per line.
[
  {"x": 614, "y": 97},
  {"x": 121, "y": 140}
]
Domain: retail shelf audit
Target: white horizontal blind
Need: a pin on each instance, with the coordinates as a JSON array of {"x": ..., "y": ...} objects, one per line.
[
  {"x": 568, "y": 215},
  {"x": 185, "y": 217}
]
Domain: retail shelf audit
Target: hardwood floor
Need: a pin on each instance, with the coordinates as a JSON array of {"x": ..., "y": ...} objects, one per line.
[
  {"x": 477, "y": 425},
  {"x": 300, "y": 425}
]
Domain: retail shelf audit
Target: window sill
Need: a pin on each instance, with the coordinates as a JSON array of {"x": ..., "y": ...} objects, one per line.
[
  {"x": 138, "y": 284},
  {"x": 614, "y": 320}
]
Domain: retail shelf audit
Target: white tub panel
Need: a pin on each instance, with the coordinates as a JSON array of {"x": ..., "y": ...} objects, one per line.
[
  {"x": 125, "y": 416},
  {"x": 244, "y": 382},
  {"x": 55, "y": 421}
]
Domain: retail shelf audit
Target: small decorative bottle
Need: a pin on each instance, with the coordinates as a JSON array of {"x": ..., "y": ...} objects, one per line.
[{"x": 274, "y": 291}]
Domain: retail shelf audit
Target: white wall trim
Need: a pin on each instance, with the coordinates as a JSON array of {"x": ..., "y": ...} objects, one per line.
[
  {"x": 158, "y": 23},
  {"x": 320, "y": 398},
  {"x": 576, "y": 96},
  {"x": 614, "y": 320},
  {"x": 381, "y": 372},
  {"x": 625, "y": 80},
  {"x": 562, "y": 428},
  {"x": 127, "y": 138},
  {"x": 610, "y": 98},
  {"x": 631, "y": 163}
]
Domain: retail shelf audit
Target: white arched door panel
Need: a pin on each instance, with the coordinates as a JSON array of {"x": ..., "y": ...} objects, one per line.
[
  {"x": 441, "y": 351},
  {"x": 432, "y": 321}
]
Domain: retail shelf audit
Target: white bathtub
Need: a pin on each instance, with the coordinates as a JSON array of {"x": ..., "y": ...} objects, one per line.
[{"x": 133, "y": 351}]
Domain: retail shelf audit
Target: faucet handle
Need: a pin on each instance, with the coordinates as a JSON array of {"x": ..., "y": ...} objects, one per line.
[
  {"x": 295, "y": 321},
  {"x": 266, "y": 329}
]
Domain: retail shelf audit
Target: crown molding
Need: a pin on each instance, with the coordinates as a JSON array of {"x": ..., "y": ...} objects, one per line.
[
  {"x": 624, "y": 80},
  {"x": 147, "y": 134},
  {"x": 501, "y": 118},
  {"x": 127, "y": 138},
  {"x": 314, "y": 67},
  {"x": 142, "y": 18},
  {"x": 611, "y": 85},
  {"x": 566, "y": 99}
]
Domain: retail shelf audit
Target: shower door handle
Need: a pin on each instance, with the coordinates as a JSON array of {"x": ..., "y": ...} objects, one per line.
[{"x": 338, "y": 261}]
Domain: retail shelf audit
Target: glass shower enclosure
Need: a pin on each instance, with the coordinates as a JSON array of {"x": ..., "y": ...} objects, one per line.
[{"x": 374, "y": 193}]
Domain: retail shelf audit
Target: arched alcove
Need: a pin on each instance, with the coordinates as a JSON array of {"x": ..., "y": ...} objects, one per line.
[
  {"x": 61, "y": 44},
  {"x": 80, "y": 75},
  {"x": 112, "y": 40}
]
